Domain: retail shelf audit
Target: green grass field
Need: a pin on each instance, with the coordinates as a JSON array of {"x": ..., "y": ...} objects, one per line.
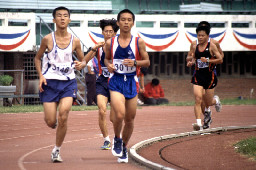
[
  {"x": 39, "y": 108},
  {"x": 247, "y": 147}
]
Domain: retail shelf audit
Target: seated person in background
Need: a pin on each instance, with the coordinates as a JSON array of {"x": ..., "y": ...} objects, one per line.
[{"x": 154, "y": 94}]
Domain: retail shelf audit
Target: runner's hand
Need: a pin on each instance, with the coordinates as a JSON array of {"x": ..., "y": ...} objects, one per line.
[
  {"x": 190, "y": 63},
  {"x": 42, "y": 81},
  {"x": 111, "y": 68},
  {"x": 79, "y": 65},
  {"x": 203, "y": 59},
  {"x": 99, "y": 44},
  {"x": 128, "y": 62}
]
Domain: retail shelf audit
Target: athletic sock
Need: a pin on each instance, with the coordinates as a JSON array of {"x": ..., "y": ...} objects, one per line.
[
  {"x": 217, "y": 101},
  {"x": 207, "y": 109},
  {"x": 56, "y": 148},
  {"x": 198, "y": 121},
  {"x": 107, "y": 139}
]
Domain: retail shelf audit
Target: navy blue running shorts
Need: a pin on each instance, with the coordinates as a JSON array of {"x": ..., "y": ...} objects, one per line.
[
  {"x": 102, "y": 86},
  {"x": 58, "y": 89},
  {"x": 126, "y": 85}
]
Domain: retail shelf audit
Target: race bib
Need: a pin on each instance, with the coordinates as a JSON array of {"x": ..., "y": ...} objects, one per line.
[
  {"x": 105, "y": 72},
  {"x": 120, "y": 68},
  {"x": 62, "y": 68},
  {"x": 201, "y": 64}
]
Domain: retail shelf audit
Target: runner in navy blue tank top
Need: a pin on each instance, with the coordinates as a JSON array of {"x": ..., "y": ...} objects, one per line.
[
  {"x": 124, "y": 55},
  {"x": 109, "y": 29}
]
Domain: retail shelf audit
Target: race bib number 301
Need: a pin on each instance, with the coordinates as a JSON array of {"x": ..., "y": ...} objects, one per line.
[{"x": 121, "y": 68}]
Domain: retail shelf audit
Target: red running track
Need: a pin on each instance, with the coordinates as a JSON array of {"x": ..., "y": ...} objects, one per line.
[{"x": 26, "y": 142}]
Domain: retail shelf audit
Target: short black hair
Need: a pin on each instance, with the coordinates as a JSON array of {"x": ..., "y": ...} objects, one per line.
[
  {"x": 60, "y": 8},
  {"x": 107, "y": 22},
  {"x": 125, "y": 11},
  {"x": 155, "y": 81},
  {"x": 204, "y": 23},
  {"x": 203, "y": 28}
]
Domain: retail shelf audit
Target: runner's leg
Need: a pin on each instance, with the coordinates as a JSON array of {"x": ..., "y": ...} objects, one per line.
[
  {"x": 102, "y": 105},
  {"x": 50, "y": 112},
  {"x": 131, "y": 106},
  {"x": 118, "y": 106},
  {"x": 64, "y": 108}
]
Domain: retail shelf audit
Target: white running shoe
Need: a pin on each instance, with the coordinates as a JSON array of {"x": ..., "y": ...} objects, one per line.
[
  {"x": 139, "y": 102},
  {"x": 197, "y": 127},
  {"x": 218, "y": 105},
  {"x": 56, "y": 156}
]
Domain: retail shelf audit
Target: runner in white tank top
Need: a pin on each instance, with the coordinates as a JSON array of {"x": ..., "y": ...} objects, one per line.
[
  {"x": 57, "y": 83},
  {"x": 58, "y": 63}
]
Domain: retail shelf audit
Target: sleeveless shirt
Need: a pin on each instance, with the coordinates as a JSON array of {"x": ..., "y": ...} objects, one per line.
[
  {"x": 58, "y": 63},
  {"x": 205, "y": 53},
  {"x": 103, "y": 70},
  {"x": 118, "y": 54}
]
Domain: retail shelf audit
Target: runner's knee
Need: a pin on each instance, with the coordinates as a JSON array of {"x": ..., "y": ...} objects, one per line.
[
  {"x": 50, "y": 122},
  {"x": 62, "y": 119},
  {"x": 198, "y": 100},
  {"x": 102, "y": 112}
]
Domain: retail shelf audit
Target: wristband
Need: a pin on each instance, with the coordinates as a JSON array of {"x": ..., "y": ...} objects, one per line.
[
  {"x": 208, "y": 60},
  {"x": 135, "y": 63}
]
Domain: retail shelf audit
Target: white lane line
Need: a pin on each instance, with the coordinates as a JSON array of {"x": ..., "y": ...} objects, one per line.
[{"x": 21, "y": 159}]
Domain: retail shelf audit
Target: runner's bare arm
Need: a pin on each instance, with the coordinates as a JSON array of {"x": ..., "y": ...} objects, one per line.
[
  {"x": 82, "y": 62},
  {"x": 93, "y": 50},
  {"x": 37, "y": 60},
  {"x": 191, "y": 54},
  {"x": 219, "y": 58},
  {"x": 219, "y": 48},
  {"x": 107, "y": 59},
  {"x": 144, "y": 62},
  {"x": 214, "y": 52}
]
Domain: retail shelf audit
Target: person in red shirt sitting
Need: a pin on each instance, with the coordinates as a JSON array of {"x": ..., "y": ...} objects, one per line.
[{"x": 154, "y": 94}]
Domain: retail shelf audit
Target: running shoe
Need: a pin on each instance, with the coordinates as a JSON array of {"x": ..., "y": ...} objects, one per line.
[
  {"x": 56, "y": 156},
  {"x": 218, "y": 105},
  {"x": 124, "y": 157},
  {"x": 106, "y": 145},
  {"x": 207, "y": 119},
  {"x": 139, "y": 102},
  {"x": 197, "y": 127},
  {"x": 117, "y": 147},
  {"x": 55, "y": 125}
]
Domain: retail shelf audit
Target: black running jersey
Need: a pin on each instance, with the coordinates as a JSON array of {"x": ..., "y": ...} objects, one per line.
[{"x": 206, "y": 53}]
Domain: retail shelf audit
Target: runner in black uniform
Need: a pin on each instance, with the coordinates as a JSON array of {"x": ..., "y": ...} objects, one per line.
[
  {"x": 204, "y": 75},
  {"x": 204, "y": 78}
]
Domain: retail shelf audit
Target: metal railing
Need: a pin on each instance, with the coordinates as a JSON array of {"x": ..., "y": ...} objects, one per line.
[{"x": 20, "y": 95}]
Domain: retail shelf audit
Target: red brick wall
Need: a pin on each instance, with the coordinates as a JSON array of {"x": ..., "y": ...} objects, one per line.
[{"x": 181, "y": 89}]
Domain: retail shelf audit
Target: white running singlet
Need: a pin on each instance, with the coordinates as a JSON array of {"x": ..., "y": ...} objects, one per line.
[{"x": 58, "y": 64}]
